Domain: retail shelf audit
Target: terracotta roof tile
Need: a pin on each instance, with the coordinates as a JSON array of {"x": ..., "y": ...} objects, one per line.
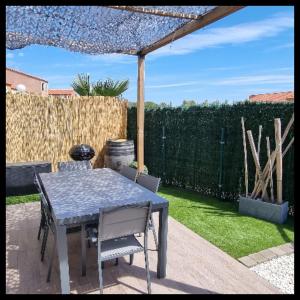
[
  {"x": 272, "y": 97},
  {"x": 61, "y": 92}
]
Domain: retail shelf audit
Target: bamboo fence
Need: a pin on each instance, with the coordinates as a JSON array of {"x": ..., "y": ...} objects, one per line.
[{"x": 45, "y": 128}]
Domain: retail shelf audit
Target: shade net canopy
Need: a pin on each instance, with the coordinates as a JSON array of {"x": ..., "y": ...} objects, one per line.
[{"x": 96, "y": 29}]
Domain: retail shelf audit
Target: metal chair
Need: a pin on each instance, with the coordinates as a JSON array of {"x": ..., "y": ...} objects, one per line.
[
  {"x": 46, "y": 223},
  {"x": 49, "y": 224},
  {"x": 46, "y": 217},
  {"x": 74, "y": 165},
  {"x": 39, "y": 189},
  {"x": 151, "y": 183},
  {"x": 116, "y": 238},
  {"x": 129, "y": 172}
]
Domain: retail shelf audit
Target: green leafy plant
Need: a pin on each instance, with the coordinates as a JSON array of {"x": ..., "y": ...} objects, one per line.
[
  {"x": 188, "y": 103},
  {"x": 134, "y": 165},
  {"x": 109, "y": 87},
  {"x": 82, "y": 86}
]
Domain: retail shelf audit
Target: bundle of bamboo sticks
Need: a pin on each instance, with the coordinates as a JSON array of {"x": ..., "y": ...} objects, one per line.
[{"x": 264, "y": 177}]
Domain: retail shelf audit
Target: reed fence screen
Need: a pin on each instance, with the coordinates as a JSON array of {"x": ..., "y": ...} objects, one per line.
[
  {"x": 45, "y": 128},
  {"x": 201, "y": 148}
]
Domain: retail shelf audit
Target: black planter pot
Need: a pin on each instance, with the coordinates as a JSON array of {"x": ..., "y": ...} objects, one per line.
[{"x": 82, "y": 152}]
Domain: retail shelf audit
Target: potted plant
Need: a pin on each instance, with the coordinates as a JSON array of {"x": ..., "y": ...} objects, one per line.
[
  {"x": 260, "y": 203},
  {"x": 134, "y": 165}
]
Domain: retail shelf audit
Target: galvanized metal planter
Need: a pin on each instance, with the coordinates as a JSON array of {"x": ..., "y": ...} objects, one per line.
[{"x": 276, "y": 213}]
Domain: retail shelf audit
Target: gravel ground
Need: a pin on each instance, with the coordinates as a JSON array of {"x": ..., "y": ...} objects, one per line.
[{"x": 279, "y": 272}]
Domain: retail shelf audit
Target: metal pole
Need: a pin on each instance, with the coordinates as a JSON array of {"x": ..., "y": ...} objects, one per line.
[
  {"x": 164, "y": 153},
  {"x": 221, "y": 159}
]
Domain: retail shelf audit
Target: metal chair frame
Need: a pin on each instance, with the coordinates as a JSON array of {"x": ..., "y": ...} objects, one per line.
[
  {"x": 129, "y": 172},
  {"x": 123, "y": 230},
  {"x": 151, "y": 183},
  {"x": 49, "y": 224}
]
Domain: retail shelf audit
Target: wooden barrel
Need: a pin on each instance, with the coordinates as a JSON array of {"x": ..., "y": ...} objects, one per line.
[{"x": 119, "y": 152}]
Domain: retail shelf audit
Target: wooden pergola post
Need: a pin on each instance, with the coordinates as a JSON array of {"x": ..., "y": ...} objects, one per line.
[{"x": 140, "y": 112}]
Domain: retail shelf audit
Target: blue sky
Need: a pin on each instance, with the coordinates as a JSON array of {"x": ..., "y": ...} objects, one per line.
[{"x": 248, "y": 52}]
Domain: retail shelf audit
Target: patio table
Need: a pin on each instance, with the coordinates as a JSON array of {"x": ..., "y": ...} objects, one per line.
[{"x": 75, "y": 199}]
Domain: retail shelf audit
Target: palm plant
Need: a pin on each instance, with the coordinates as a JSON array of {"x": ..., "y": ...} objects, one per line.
[
  {"x": 82, "y": 86},
  {"x": 110, "y": 87}
]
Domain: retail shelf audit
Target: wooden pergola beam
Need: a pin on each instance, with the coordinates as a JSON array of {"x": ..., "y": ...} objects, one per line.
[
  {"x": 214, "y": 15},
  {"x": 140, "y": 112},
  {"x": 158, "y": 12}
]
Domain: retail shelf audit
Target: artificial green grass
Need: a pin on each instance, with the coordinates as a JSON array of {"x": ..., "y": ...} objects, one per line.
[
  {"x": 220, "y": 223},
  {"x": 22, "y": 199}
]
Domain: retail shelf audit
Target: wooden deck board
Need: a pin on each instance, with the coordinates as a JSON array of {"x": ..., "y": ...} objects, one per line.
[{"x": 194, "y": 265}]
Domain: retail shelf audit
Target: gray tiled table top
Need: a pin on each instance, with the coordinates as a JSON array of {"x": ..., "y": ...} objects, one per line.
[{"x": 76, "y": 197}]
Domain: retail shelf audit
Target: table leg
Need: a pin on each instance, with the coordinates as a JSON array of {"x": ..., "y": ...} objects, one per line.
[
  {"x": 162, "y": 245},
  {"x": 83, "y": 250},
  {"x": 62, "y": 251}
]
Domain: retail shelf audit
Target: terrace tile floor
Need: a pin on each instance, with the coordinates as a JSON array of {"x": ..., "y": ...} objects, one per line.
[{"x": 194, "y": 265}]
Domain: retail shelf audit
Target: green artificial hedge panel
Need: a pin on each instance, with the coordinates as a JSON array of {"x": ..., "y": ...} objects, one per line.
[{"x": 190, "y": 154}]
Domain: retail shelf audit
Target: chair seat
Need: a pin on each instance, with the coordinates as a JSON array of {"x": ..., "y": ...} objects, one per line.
[
  {"x": 127, "y": 245},
  {"x": 114, "y": 248},
  {"x": 120, "y": 247}
]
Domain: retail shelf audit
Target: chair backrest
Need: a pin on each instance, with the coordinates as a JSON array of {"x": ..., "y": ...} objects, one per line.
[
  {"x": 129, "y": 172},
  {"x": 37, "y": 183},
  {"x": 149, "y": 182},
  {"x": 74, "y": 165},
  {"x": 47, "y": 210},
  {"x": 124, "y": 220}
]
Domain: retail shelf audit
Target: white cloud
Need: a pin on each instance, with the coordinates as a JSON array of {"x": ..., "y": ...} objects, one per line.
[
  {"x": 257, "y": 79},
  {"x": 224, "y": 68},
  {"x": 113, "y": 58},
  {"x": 69, "y": 65},
  {"x": 283, "y": 46},
  {"x": 10, "y": 55},
  {"x": 21, "y": 54},
  {"x": 230, "y": 35},
  {"x": 172, "y": 85}
]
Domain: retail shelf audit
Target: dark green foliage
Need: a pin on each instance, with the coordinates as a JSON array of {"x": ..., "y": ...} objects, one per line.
[
  {"x": 192, "y": 145},
  {"x": 188, "y": 103},
  {"x": 150, "y": 105},
  {"x": 135, "y": 165},
  {"x": 110, "y": 88},
  {"x": 84, "y": 87}
]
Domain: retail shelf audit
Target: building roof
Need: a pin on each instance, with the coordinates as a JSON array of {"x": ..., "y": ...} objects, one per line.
[
  {"x": 272, "y": 97},
  {"x": 61, "y": 92},
  {"x": 35, "y": 77}
]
